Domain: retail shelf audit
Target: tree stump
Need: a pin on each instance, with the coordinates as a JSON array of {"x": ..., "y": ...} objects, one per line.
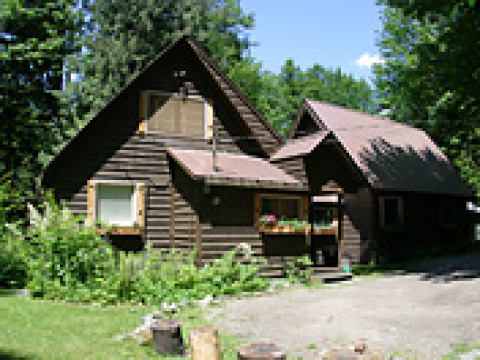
[
  {"x": 260, "y": 351},
  {"x": 204, "y": 343},
  {"x": 167, "y": 337}
]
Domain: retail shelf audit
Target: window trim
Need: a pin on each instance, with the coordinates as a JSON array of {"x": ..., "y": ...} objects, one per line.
[
  {"x": 302, "y": 200},
  {"x": 138, "y": 206},
  {"x": 400, "y": 209}
]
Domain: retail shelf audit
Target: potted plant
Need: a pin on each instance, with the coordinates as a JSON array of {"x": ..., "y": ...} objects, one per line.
[{"x": 267, "y": 222}]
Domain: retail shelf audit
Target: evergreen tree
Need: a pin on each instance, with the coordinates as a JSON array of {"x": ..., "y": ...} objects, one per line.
[
  {"x": 35, "y": 39},
  {"x": 123, "y": 36}
]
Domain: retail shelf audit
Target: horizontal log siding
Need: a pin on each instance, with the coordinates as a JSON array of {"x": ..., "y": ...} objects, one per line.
[
  {"x": 111, "y": 148},
  {"x": 358, "y": 225},
  {"x": 217, "y": 240},
  {"x": 255, "y": 125},
  {"x": 294, "y": 167},
  {"x": 184, "y": 224}
]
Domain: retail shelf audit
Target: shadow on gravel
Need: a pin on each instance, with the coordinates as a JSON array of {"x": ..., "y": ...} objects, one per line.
[
  {"x": 458, "y": 267},
  {"x": 455, "y": 268}
]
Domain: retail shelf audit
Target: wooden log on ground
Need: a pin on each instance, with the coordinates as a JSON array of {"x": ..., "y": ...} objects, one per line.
[
  {"x": 167, "y": 337},
  {"x": 346, "y": 354},
  {"x": 260, "y": 351},
  {"x": 204, "y": 343}
]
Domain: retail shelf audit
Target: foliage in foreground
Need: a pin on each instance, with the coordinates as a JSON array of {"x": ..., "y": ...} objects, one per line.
[
  {"x": 66, "y": 260},
  {"x": 299, "y": 270}
]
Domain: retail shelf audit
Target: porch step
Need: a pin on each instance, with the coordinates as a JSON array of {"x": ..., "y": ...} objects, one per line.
[
  {"x": 325, "y": 269},
  {"x": 331, "y": 276}
]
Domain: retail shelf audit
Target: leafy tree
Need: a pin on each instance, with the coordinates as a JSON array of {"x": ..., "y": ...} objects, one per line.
[
  {"x": 431, "y": 74},
  {"x": 35, "y": 39},
  {"x": 285, "y": 92},
  {"x": 123, "y": 36}
]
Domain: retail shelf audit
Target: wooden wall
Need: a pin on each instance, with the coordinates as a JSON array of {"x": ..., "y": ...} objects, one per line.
[
  {"x": 111, "y": 148},
  {"x": 423, "y": 227},
  {"x": 358, "y": 226}
]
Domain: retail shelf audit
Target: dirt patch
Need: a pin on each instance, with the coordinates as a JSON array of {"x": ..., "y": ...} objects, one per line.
[{"x": 421, "y": 313}]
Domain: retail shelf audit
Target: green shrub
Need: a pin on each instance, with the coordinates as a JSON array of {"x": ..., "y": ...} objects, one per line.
[
  {"x": 298, "y": 270},
  {"x": 66, "y": 260},
  {"x": 12, "y": 261},
  {"x": 13, "y": 266}
]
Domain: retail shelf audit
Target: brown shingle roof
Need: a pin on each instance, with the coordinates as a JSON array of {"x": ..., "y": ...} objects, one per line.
[
  {"x": 233, "y": 169},
  {"x": 299, "y": 147},
  {"x": 392, "y": 156}
]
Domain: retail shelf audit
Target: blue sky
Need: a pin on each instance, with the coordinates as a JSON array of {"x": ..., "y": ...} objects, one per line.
[{"x": 332, "y": 33}]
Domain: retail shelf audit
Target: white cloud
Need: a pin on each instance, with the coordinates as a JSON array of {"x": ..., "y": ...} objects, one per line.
[{"x": 367, "y": 60}]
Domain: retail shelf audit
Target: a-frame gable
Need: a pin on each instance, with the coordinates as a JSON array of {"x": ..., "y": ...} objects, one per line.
[
  {"x": 119, "y": 119},
  {"x": 306, "y": 123}
]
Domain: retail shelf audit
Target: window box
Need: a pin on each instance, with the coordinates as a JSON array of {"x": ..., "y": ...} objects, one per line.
[
  {"x": 281, "y": 229},
  {"x": 325, "y": 231},
  {"x": 120, "y": 230}
]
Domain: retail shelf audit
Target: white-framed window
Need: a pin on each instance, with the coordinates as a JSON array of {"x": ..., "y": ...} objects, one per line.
[
  {"x": 391, "y": 212},
  {"x": 116, "y": 203},
  {"x": 171, "y": 113}
]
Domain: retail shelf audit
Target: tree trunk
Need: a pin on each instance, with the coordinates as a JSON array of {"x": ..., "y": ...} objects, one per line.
[
  {"x": 205, "y": 343},
  {"x": 167, "y": 338}
]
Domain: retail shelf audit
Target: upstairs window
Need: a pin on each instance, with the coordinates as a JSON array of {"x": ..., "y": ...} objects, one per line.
[
  {"x": 191, "y": 116},
  {"x": 391, "y": 212}
]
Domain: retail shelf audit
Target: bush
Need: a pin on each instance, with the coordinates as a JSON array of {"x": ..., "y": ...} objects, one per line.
[
  {"x": 13, "y": 268},
  {"x": 298, "y": 270},
  {"x": 12, "y": 261},
  {"x": 66, "y": 260}
]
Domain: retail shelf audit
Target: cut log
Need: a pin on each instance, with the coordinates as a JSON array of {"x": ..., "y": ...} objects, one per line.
[
  {"x": 344, "y": 354},
  {"x": 260, "y": 351},
  {"x": 167, "y": 337},
  {"x": 204, "y": 343}
]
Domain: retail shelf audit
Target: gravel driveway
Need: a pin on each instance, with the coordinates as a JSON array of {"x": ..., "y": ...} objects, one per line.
[{"x": 419, "y": 313}]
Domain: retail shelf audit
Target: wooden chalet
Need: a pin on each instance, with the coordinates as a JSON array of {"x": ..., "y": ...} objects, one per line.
[
  {"x": 395, "y": 191},
  {"x": 181, "y": 158}
]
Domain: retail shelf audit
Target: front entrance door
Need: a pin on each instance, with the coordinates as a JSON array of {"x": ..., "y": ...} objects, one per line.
[{"x": 324, "y": 215}]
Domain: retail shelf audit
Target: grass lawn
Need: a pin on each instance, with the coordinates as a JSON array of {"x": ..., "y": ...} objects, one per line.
[{"x": 37, "y": 329}]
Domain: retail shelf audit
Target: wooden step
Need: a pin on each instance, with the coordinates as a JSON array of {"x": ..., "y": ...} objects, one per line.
[{"x": 331, "y": 277}]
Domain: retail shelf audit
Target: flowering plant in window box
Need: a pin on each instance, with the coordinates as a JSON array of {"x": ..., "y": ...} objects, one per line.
[
  {"x": 283, "y": 226},
  {"x": 268, "y": 219},
  {"x": 325, "y": 229}
]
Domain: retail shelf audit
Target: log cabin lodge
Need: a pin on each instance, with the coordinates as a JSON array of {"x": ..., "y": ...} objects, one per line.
[{"x": 181, "y": 158}]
